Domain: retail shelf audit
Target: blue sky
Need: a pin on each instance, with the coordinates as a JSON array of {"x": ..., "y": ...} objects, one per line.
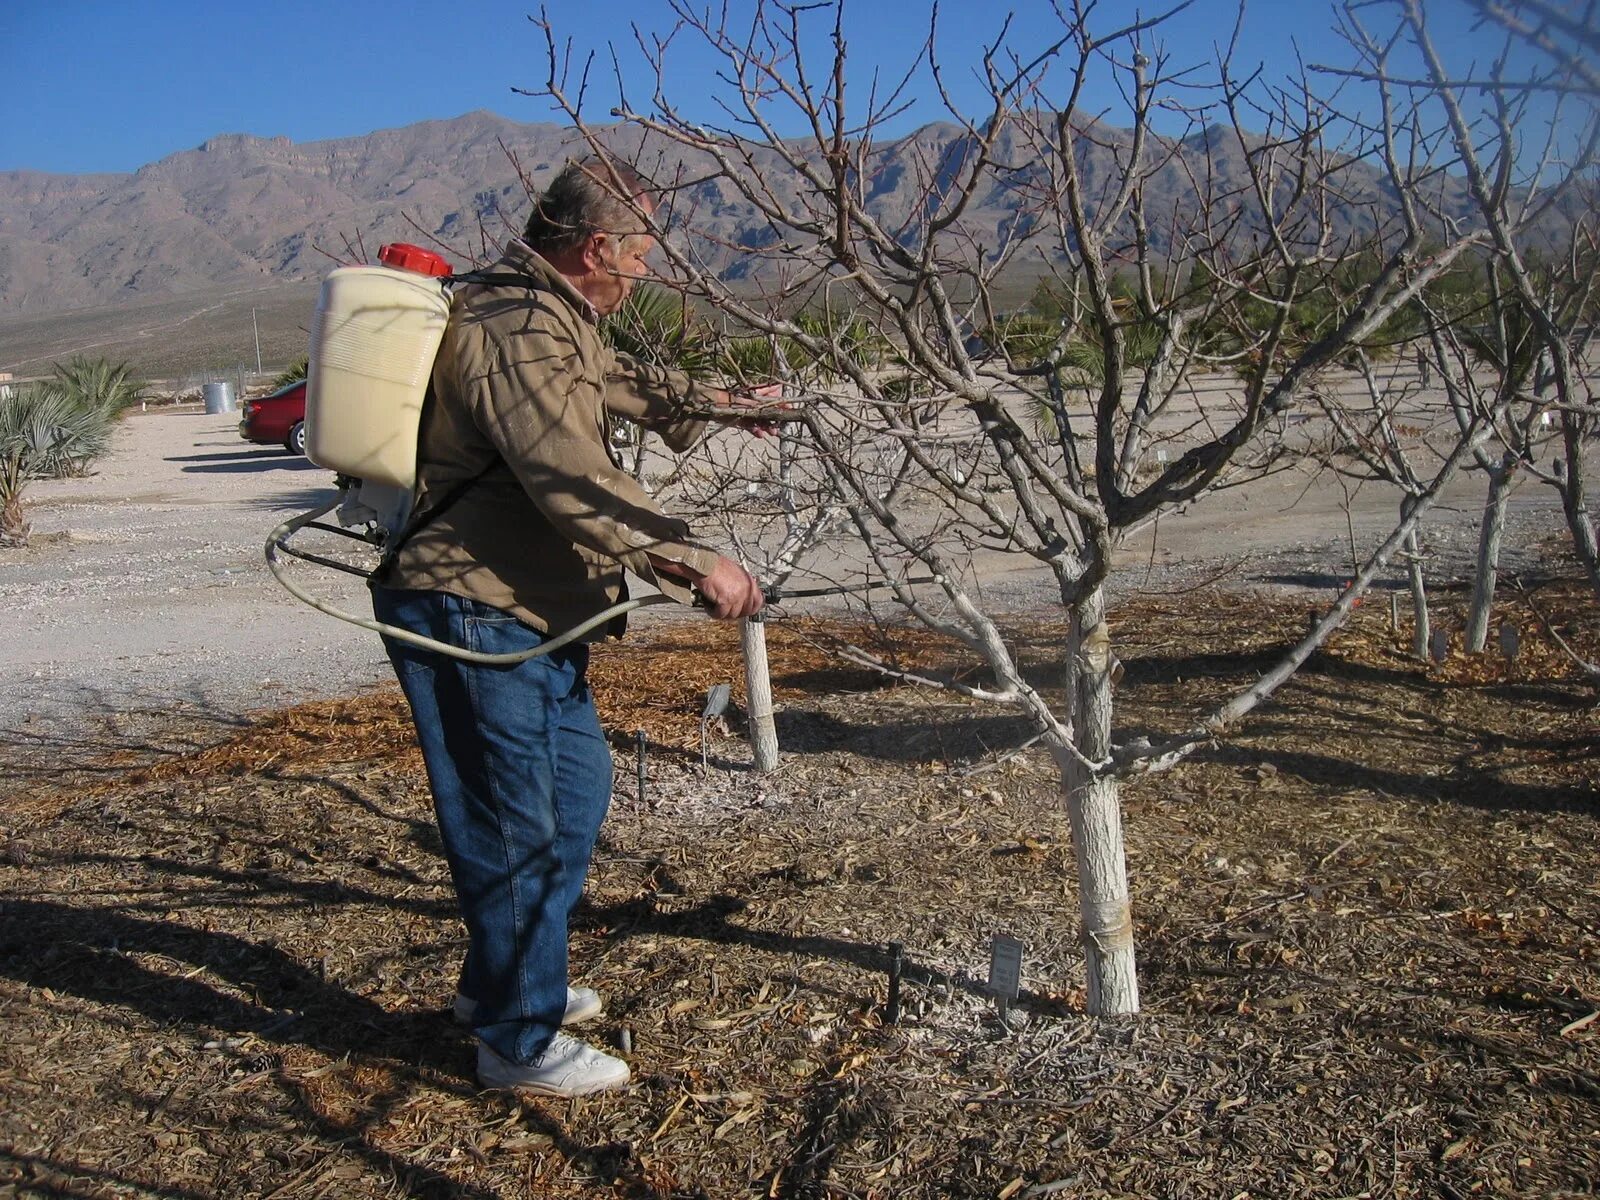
[{"x": 108, "y": 85}]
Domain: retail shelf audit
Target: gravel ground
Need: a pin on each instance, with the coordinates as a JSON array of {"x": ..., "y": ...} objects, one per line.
[
  {"x": 145, "y": 593},
  {"x": 144, "y": 600}
]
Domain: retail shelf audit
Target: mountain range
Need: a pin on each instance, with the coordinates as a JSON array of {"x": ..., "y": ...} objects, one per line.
[{"x": 243, "y": 212}]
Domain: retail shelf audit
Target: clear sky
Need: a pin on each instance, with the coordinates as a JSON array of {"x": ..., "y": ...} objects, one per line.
[{"x": 109, "y": 85}]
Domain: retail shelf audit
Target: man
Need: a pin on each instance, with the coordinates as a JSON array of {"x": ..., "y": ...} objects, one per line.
[{"x": 522, "y": 528}]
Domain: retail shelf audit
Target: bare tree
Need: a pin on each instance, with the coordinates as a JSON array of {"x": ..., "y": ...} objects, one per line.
[
  {"x": 1373, "y": 440},
  {"x": 1542, "y": 311},
  {"x": 1175, "y": 252}
]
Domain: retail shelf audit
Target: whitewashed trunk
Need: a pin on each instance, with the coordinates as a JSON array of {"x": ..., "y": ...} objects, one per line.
[
  {"x": 758, "y": 693},
  {"x": 1421, "y": 628},
  {"x": 1489, "y": 536},
  {"x": 1094, "y": 805}
]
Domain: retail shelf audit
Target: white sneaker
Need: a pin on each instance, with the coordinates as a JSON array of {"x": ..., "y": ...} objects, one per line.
[
  {"x": 583, "y": 1004},
  {"x": 567, "y": 1067}
]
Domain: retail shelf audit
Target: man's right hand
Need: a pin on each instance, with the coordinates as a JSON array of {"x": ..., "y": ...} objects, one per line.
[{"x": 731, "y": 592}]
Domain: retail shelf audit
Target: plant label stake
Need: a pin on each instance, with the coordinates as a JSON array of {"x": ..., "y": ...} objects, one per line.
[
  {"x": 897, "y": 963},
  {"x": 1005, "y": 971},
  {"x": 1439, "y": 645},
  {"x": 639, "y": 743},
  {"x": 716, "y": 704},
  {"x": 1510, "y": 641}
]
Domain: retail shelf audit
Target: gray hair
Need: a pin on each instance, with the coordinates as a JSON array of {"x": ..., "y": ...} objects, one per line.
[{"x": 586, "y": 197}]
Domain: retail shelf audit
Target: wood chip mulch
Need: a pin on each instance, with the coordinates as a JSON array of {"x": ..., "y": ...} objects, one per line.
[{"x": 1368, "y": 922}]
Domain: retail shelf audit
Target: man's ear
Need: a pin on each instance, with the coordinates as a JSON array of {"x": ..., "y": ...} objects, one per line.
[{"x": 595, "y": 251}]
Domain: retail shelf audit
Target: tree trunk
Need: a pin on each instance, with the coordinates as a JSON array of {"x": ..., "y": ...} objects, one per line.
[
  {"x": 14, "y": 526},
  {"x": 1489, "y": 535},
  {"x": 1421, "y": 632},
  {"x": 1094, "y": 804},
  {"x": 758, "y": 693},
  {"x": 1574, "y": 501}
]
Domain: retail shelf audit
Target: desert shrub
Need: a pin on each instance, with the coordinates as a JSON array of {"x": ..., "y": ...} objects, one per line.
[
  {"x": 99, "y": 384},
  {"x": 293, "y": 373},
  {"x": 54, "y": 432},
  {"x": 46, "y": 431},
  {"x": 654, "y": 326}
]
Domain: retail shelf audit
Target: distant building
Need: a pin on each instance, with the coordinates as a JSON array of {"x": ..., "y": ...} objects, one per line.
[{"x": 6, "y": 390}]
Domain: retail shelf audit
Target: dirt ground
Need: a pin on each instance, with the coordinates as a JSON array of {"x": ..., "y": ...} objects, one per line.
[
  {"x": 1367, "y": 920},
  {"x": 1367, "y": 927}
]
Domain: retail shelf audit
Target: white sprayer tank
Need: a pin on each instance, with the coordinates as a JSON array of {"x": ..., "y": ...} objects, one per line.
[{"x": 373, "y": 342}]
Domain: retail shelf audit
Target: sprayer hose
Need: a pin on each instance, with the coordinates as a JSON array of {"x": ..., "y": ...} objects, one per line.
[{"x": 278, "y": 541}]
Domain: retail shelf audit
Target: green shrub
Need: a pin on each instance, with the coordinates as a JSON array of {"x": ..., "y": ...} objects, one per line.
[
  {"x": 293, "y": 373},
  {"x": 99, "y": 384},
  {"x": 654, "y": 326},
  {"x": 46, "y": 431}
]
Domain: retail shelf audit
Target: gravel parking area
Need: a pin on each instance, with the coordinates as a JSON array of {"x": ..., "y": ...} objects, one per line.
[
  {"x": 144, "y": 603},
  {"x": 144, "y": 599}
]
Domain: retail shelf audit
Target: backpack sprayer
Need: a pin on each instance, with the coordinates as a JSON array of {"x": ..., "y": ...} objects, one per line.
[{"x": 373, "y": 342}]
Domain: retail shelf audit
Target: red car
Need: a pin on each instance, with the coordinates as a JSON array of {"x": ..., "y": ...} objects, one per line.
[{"x": 280, "y": 418}]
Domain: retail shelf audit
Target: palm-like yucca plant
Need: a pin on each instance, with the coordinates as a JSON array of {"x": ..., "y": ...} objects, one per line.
[
  {"x": 654, "y": 326},
  {"x": 1082, "y": 363},
  {"x": 99, "y": 383},
  {"x": 293, "y": 373},
  {"x": 852, "y": 338},
  {"x": 45, "y": 431},
  {"x": 747, "y": 360},
  {"x": 58, "y": 433}
]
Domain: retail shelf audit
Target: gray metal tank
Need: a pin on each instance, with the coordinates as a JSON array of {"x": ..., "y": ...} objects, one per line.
[{"x": 218, "y": 397}]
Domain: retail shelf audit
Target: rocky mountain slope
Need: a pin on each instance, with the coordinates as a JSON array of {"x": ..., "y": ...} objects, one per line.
[{"x": 242, "y": 211}]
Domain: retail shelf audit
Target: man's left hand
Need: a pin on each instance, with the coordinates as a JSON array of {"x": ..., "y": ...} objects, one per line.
[{"x": 766, "y": 403}]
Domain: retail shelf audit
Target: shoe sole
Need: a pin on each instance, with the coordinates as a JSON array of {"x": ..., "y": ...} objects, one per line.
[{"x": 558, "y": 1093}]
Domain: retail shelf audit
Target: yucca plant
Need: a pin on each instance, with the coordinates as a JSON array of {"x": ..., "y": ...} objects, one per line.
[
  {"x": 293, "y": 373},
  {"x": 853, "y": 339},
  {"x": 747, "y": 360},
  {"x": 654, "y": 326},
  {"x": 99, "y": 383},
  {"x": 45, "y": 432},
  {"x": 14, "y": 527}
]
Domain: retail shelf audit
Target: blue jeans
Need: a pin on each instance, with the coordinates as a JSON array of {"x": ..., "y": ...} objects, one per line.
[{"x": 521, "y": 780}]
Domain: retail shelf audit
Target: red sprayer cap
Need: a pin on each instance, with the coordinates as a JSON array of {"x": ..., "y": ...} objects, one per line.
[{"x": 403, "y": 256}]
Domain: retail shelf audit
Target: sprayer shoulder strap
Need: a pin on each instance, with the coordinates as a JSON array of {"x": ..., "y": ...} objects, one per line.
[
  {"x": 422, "y": 517},
  {"x": 501, "y": 279}
]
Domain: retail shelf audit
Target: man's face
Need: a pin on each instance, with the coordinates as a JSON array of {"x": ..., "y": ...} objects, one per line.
[{"x": 624, "y": 259}]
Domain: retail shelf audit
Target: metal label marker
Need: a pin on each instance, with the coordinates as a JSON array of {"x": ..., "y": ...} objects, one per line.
[
  {"x": 1439, "y": 645},
  {"x": 716, "y": 704},
  {"x": 1510, "y": 641},
  {"x": 1005, "y": 970}
]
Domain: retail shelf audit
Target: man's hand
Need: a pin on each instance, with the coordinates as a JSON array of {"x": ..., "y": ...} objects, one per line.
[
  {"x": 760, "y": 400},
  {"x": 731, "y": 592}
]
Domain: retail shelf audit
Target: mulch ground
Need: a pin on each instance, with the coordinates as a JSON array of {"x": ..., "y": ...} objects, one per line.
[{"x": 1367, "y": 926}]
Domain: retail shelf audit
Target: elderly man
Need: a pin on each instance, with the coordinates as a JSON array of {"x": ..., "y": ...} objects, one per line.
[{"x": 521, "y": 529}]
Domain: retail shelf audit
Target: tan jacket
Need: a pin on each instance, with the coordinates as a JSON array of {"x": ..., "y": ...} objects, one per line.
[{"x": 530, "y": 513}]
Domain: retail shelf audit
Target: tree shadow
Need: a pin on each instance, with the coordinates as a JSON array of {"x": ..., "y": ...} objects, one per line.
[
  {"x": 963, "y": 736},
  {"x": 98, "y": 954},
  {"x": 1468, "y": 784},
  {"x": 132, "y": 728},
  {"x": 47, "y": 1173},
  {"x": 711, "y": 921}
]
